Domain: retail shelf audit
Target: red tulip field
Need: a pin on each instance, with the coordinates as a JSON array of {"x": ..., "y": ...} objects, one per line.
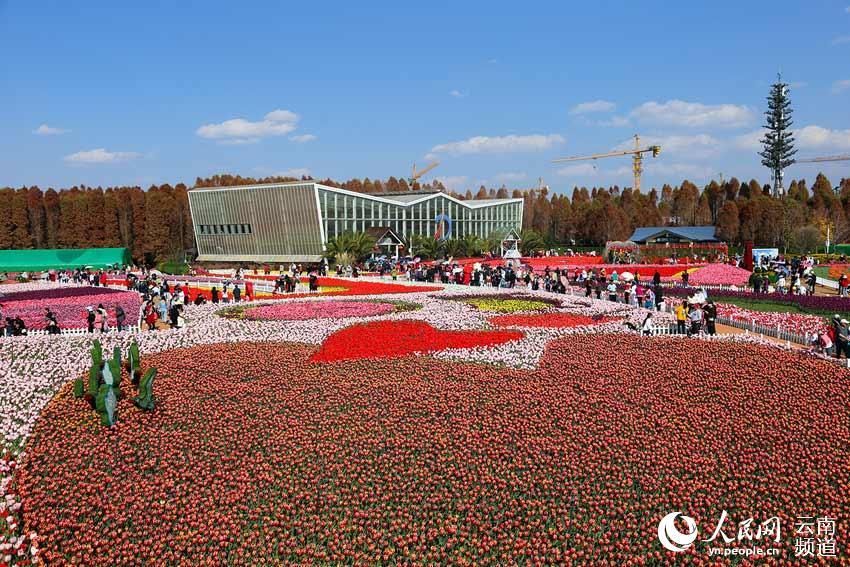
[{"x": 458, "y": 426}]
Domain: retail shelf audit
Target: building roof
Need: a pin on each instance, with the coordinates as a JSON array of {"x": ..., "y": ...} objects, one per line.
[
  {"x": 381, "y": 232},
  {"x": 693, "y": 233},
  {"x": 67, "y": 258},
  {"x": 403, "y": 199}
]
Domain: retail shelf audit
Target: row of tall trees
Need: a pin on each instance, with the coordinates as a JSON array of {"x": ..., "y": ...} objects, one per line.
[
  {"x": 155, "y": 224},
  {"x": 740, "y": 211}
]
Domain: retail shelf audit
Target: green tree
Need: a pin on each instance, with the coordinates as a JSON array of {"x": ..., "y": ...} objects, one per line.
[
  {"x": 455, "y": 248},
  {"x": 530, "y": 242},
  {"x": 806, "y": 239},
  {"x": 427, "y": 248},
  {"x": 353, "y": 245},
  {"x": 473, "y": 245},
  {"x": 778, "y": 142}
]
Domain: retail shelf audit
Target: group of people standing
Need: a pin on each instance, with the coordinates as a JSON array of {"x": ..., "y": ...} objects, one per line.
[
  {"x": 691, "y": 317},
  {"x": 164, "y": 305},
  {"x": 97, "y": 319}
]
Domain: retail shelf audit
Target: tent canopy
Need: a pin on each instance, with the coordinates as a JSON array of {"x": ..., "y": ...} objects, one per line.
[{"x": 69, "y": 258}]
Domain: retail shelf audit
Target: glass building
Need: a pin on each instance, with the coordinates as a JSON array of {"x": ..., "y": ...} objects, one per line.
[{"x": 292, "y": 222}]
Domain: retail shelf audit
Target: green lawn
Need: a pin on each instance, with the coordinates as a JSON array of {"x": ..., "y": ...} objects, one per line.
[
  {"x": 822, "y": 272},
  {"x": 772, "y": 307}
]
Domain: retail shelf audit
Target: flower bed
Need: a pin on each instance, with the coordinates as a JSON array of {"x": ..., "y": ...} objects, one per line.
[
  {"x": 644, "y": 271},
  {"x": 255, "y": 456},
  {"x": 391, "y": 339},
  {"x": 506, "y": 303},
  {"x": 824, "y": 304},
  {"x": 68, "y": 304},
  {"x": 720, "y": 274},
  {"x": 303, "y": 310},
  {"x": 798, "y": 323},
  {"x": 548, "y": 320}
]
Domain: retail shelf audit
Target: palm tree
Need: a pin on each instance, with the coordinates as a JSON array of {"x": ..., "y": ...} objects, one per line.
[
  {"x": 455, "y": 247},
  {"x": 532, "y": 241},
  {"x": 350, "y": 246},
  {"x": 425, "y": 247},
  {"x": 473, "y": 245},
  {"x": 493, "y": 244}
]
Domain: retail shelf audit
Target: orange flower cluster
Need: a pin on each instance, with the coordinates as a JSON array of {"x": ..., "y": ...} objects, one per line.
[{"x": 254, "y": 456}]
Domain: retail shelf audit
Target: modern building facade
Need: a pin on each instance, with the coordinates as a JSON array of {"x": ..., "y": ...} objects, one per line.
[
  {"x": 674, "y": 235},
  {"x": 292, "y": 222}
]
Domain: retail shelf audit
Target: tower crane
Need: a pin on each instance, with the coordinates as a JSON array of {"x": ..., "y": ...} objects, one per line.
[
  {"x": 844, "y": 157},
  {"x": 414, "y": 175},
  {"x": 637, "y": 158}
]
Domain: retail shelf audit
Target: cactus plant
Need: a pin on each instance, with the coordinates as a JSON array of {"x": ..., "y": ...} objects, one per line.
[
  {"x": 105, "y": 404},
  {"x": 133, "y": 360},
  {"x": 145, "y": 399},
  {"x": 94, "y": 383},
  {"x": 79, "y": 388},
  {"x": 114, "y": 364},
  {"x": 96, "y": 353}
]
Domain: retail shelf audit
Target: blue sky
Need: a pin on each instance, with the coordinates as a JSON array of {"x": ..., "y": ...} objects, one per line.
[{"x": 106, "y": 93}]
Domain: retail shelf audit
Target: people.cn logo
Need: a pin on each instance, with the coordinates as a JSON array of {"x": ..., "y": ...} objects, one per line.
[{"x": 670, "y": 536}]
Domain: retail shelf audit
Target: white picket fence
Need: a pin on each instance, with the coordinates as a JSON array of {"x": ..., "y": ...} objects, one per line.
[
  {"x": 831, "y": 284},
  {"x": 80, "y": 332}
]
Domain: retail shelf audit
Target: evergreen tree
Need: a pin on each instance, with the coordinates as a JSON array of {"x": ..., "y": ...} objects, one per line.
[{"x": 778, "y": 141}]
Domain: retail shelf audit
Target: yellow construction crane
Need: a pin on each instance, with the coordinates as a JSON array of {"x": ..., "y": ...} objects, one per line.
[
  {"x": 845, "y": 157},
  {"x": 637, "y": 158},
  {"x": 414, "y": 175}
]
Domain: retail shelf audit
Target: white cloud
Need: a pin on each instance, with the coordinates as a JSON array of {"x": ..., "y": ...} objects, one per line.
[
  {"x": 841, "y": 39},
  {"x": 693, "y": 147},
  {"x": 456, "y": 93},
  {"x": 45, "y": 130},
  {"x": 99, "y": 155},
  {"x": 693, "y": 114},
  {"x": 500, "y": 144},
  {"x": 275, "y": 123},
  {"x": 453, "y": 182},
  {"x": 840, "y": 86},
  {"x": 807, "y": 137},
  {"x": 509, "y": 176},
  {"x": 814, "y": 137},
  {"x": 798, "y": 84},
  {"x": 593, "y": 106},
  {"x": 691, "y": 170},
  {"x": 297, "y": 172},
  {"x": 578, "y": 170},
  {"x": 749, "y": 141},
  {"x": 616, "y": 121},
  {"x": 302, "y": 138},
  {"x": 239, "y": 141},
  {"x": 847, "y": 9}
]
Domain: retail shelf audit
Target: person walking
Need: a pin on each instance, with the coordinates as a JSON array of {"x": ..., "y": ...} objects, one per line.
[
  {"x": 90, "y": 318},
  {"x": 659, "y": 298},
  {"x": 710, "y": 311},
  {"x": 237, "y": 293},
  {"x": 52, "y": 323},
  {"x": 214, "y": 294},
  {"x": 681, "y": 318},
  {"x": 612, "y": 291},
  {"x": 103, "y": 318},
  {"x": 120, "y": 318},
  {"x": 835, "y": 327},
  {"x": 695, "y": 317},
  {"x": 843, "y": 343}
]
